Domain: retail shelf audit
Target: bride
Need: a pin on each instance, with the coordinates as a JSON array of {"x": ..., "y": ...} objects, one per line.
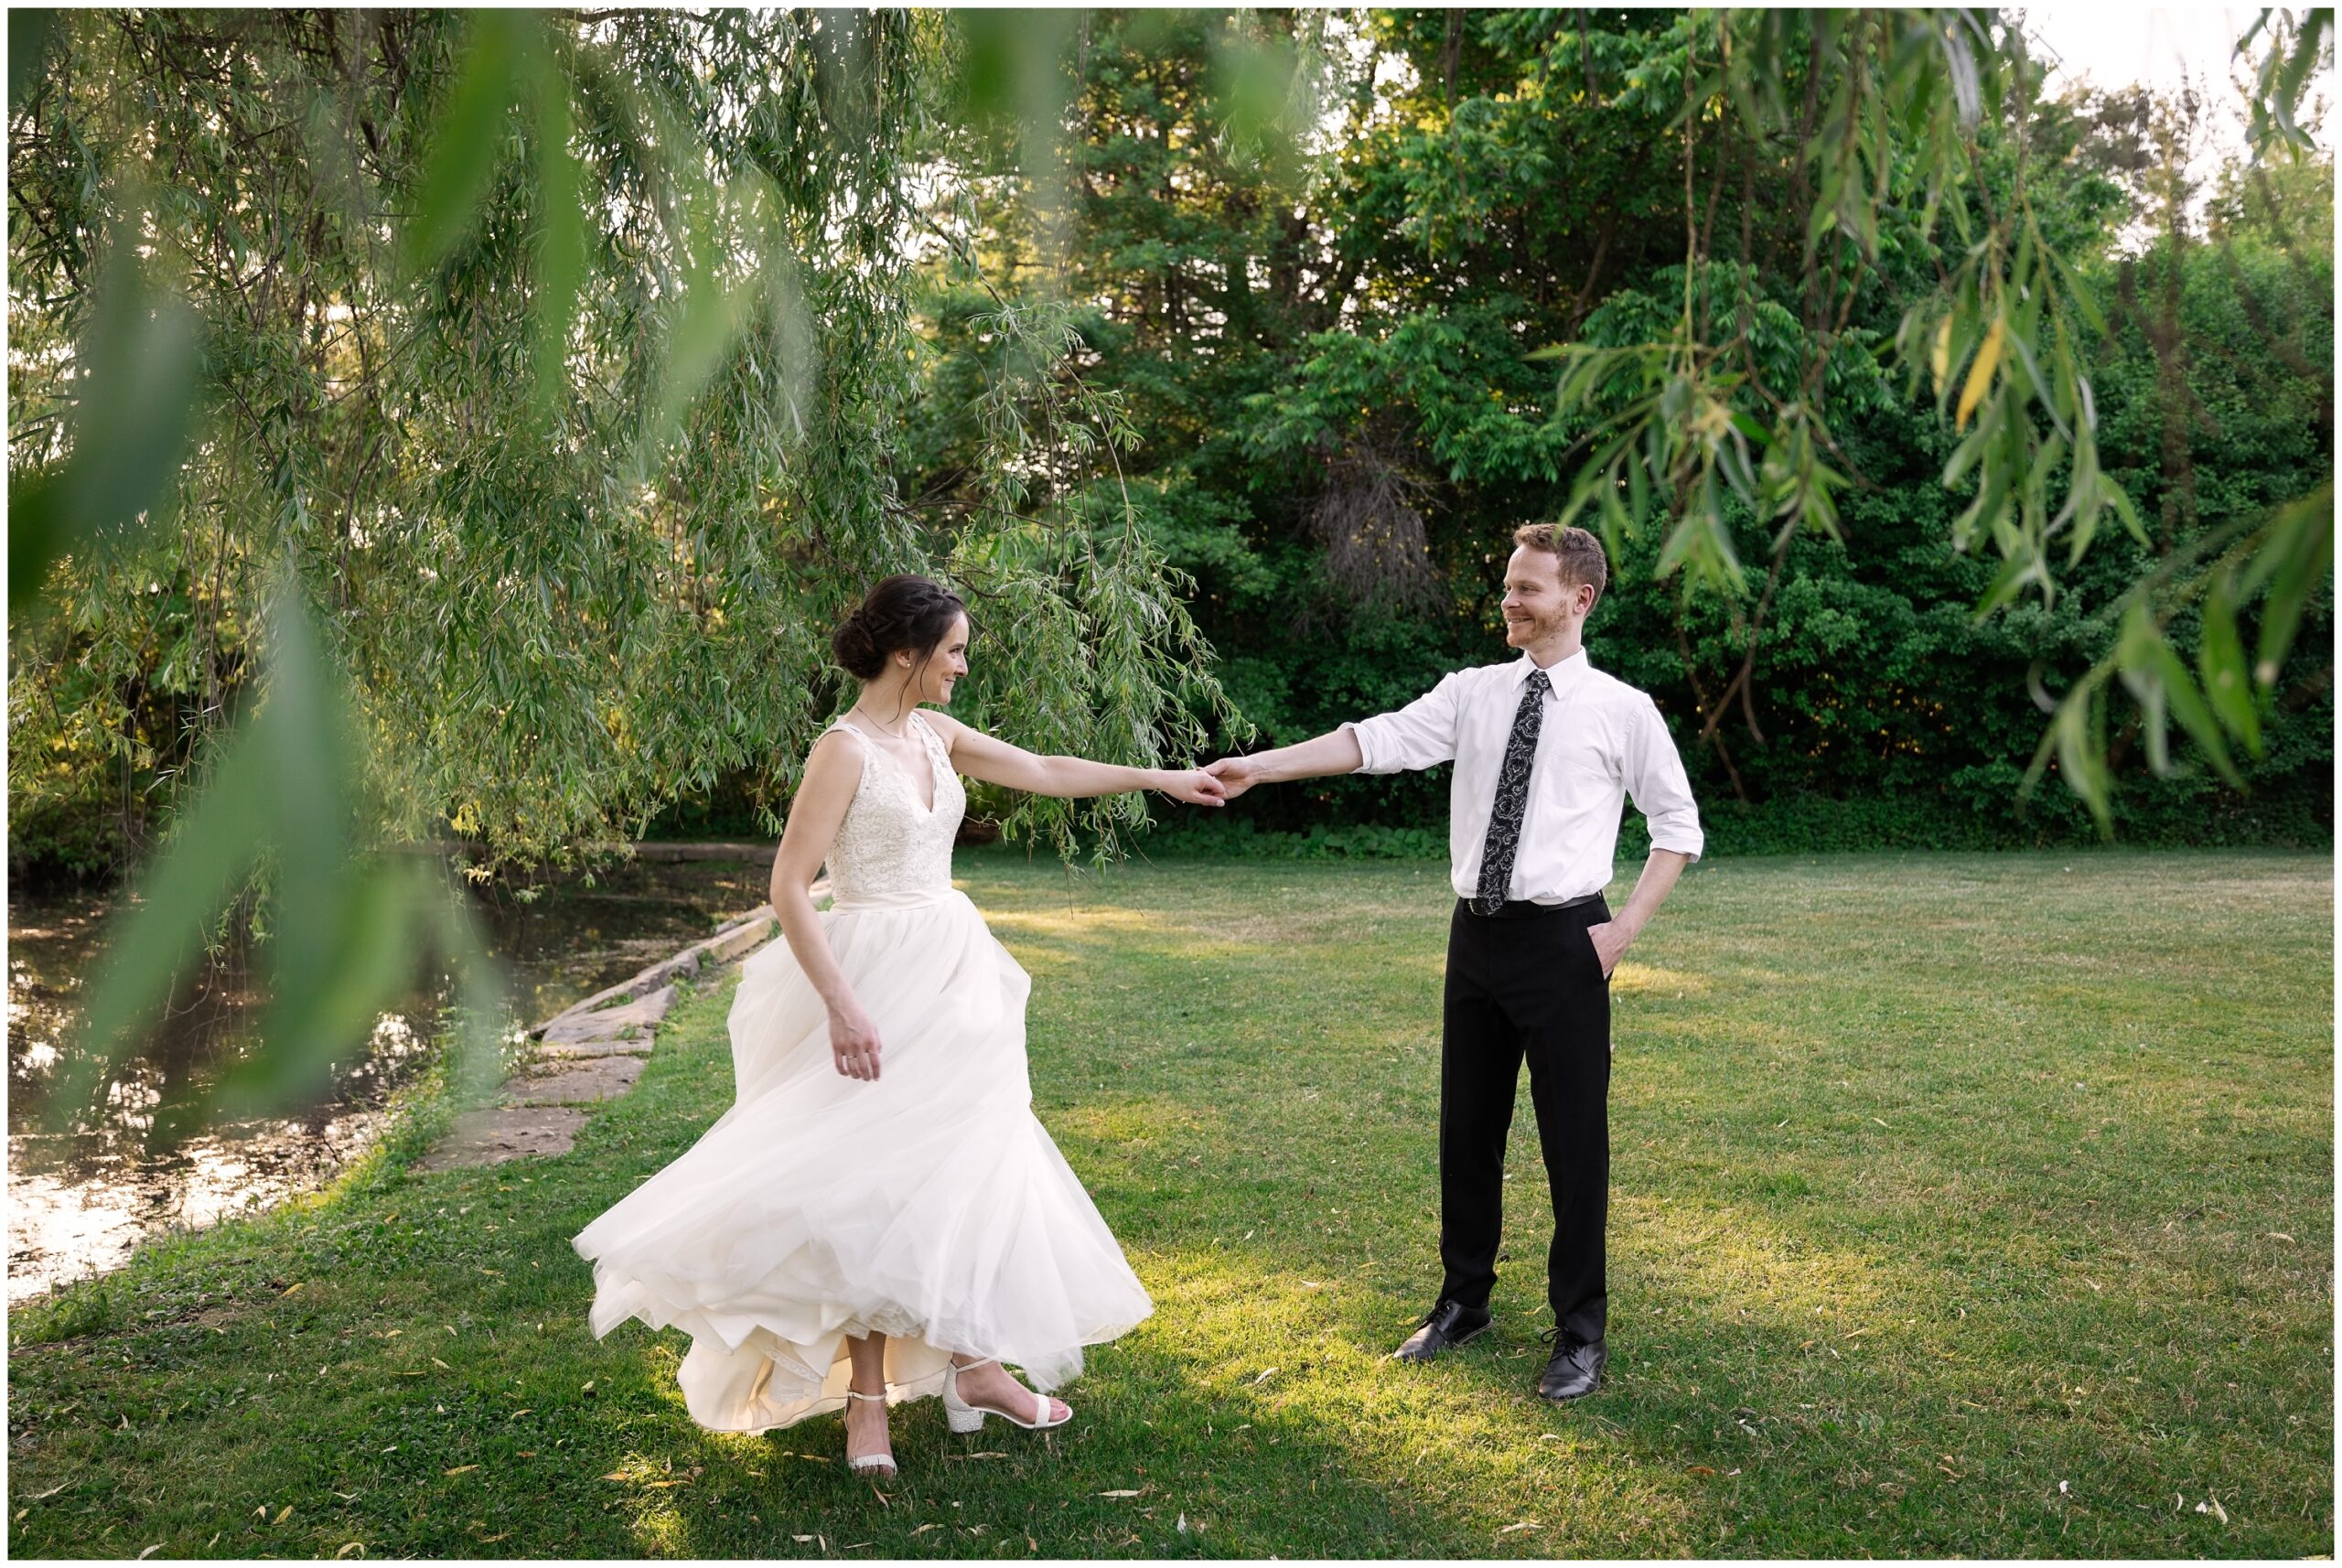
[{"x": 880, "y": 1216}]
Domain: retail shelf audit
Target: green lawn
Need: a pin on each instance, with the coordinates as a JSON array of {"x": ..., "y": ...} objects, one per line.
[{"x": 1961, "y": 1205}]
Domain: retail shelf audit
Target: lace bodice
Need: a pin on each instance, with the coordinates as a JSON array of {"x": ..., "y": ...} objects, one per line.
[{"x": 888, "y": 844}]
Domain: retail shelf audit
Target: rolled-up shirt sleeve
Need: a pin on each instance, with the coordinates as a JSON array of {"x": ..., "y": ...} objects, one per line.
[
  {"x": 1656, "y": 782},
  {"x": 1421, "y": 734}
]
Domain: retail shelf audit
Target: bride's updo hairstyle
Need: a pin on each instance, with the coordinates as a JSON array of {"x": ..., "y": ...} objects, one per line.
[{"x": 903, "y": 611}]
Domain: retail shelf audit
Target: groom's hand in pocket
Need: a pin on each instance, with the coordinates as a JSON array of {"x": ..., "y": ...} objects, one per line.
[
  {"x": 854, "y": 1045},
  {"x": 1609, "y": 944}
]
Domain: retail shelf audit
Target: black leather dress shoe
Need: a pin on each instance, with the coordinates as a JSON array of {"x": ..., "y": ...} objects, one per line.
[
  {"x": 1445, "y": 1326},
  {"x": 1574, "y": 1372}
]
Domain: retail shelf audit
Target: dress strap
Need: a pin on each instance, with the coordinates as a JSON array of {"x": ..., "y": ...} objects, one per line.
[{"x": 864, "y": 747}]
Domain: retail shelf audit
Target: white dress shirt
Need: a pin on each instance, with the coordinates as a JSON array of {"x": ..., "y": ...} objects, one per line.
[{"x": 1601, "y": 741}]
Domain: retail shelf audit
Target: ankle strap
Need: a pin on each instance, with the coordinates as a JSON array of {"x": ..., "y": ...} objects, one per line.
[
  {"x": 852, "y": 1394},
  {"x": 972, "y": 1366}
]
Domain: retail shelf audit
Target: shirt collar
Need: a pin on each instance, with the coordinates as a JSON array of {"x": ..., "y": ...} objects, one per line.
[{"x": 1561, "y": 676}]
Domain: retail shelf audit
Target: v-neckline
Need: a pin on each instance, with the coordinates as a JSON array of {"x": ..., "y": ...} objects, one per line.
[{"x": 905, "y": 774}]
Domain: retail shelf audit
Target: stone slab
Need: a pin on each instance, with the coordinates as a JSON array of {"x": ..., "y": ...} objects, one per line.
[
  {"x": 745, "y": 938},
  {"x": 637, "y": 1045},
  {"x": 576, "y": 1084},
  {"x": 491, "y": 1137},
  {"x": 589, "y": 1029},
  {"x": 637, "y": 1016},
  {"x": 731, "y": 940}
]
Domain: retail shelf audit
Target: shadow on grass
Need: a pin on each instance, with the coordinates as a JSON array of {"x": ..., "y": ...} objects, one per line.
[{"x": 2019, "y": 1280}]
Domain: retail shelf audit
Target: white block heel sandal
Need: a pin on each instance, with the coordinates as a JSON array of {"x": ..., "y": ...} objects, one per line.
[
  {"x": 965, "y": 1417},
  {"x": 883, "y": 1464}
]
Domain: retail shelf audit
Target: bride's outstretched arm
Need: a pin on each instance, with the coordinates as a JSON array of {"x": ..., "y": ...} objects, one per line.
[
  {"x": 832, "y": 774},
  {"x": 994, "y": 760}
]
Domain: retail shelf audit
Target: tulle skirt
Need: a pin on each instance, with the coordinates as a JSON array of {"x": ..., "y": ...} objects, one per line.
[{"x": 929, "y": 1205}]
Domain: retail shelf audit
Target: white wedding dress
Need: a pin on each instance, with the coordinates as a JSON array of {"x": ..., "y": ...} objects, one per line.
[{"x": 929, "y": 1205}]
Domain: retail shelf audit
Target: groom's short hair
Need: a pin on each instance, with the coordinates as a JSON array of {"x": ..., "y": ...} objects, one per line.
[{"x": 1579, "y": 553}]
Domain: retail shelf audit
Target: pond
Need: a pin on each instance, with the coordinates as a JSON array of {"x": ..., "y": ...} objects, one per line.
[{"x": 82, "y": 1199}]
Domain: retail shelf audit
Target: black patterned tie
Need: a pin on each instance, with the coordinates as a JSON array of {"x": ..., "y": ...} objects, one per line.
[{"x": 1512, "y": 796}]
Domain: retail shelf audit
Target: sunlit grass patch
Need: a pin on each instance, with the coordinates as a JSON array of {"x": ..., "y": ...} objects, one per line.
[{"x": 1937, "y": 1182}]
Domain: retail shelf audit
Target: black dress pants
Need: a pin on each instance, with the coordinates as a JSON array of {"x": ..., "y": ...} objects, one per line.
[{"x": 1526, "y": 982}]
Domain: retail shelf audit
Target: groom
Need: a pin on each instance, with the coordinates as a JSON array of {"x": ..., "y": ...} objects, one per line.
[{"x": 1544, "y": 749}]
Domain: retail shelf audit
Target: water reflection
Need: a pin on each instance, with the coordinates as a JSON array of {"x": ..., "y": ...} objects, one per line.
[{"x": 79, "y": 1202}]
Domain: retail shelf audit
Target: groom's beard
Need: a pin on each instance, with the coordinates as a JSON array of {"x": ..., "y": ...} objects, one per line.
[{"x": 1521, "y": 633}]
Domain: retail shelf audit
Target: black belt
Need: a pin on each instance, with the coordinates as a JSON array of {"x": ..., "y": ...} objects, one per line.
[{"x": 1526, "y": 909}]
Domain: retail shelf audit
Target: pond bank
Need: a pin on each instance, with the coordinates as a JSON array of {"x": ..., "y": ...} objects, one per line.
[{"x": 83, "y": 1200}]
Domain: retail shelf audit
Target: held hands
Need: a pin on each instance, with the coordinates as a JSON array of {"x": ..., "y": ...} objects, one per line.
[
  {"x": 853, "y": 1044},
  {"x": 1196, "y": 785},
  {"x": 1234, "y": 774}
]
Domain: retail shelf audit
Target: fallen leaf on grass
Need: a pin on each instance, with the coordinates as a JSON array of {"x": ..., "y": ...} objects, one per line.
[
  {"x": 2213, "y": 1507},
  {"x": 441, "y": 1364},
  {"x": 922, "y": 1529},
  {"x": 987, "y": 1454},
  {"x": 150, "y": 1552},
  {"x": 1701, "y": 1470},
  {"x": 1123, "y": 1493},
  {"x": 1264, "y": 1377},
  {"x": 44, "y": 1497},
  {"x": 286, "y": 1515},
  {"x": 357, "y": 1546},
  {"x": 1524, "y": 1524},
  {"x": 459, "y": 1470},
  {"x": 524, "y": 1410},
  {"x": 288, "y": 1290},
  {"x": 2277, "y": 1236}
]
